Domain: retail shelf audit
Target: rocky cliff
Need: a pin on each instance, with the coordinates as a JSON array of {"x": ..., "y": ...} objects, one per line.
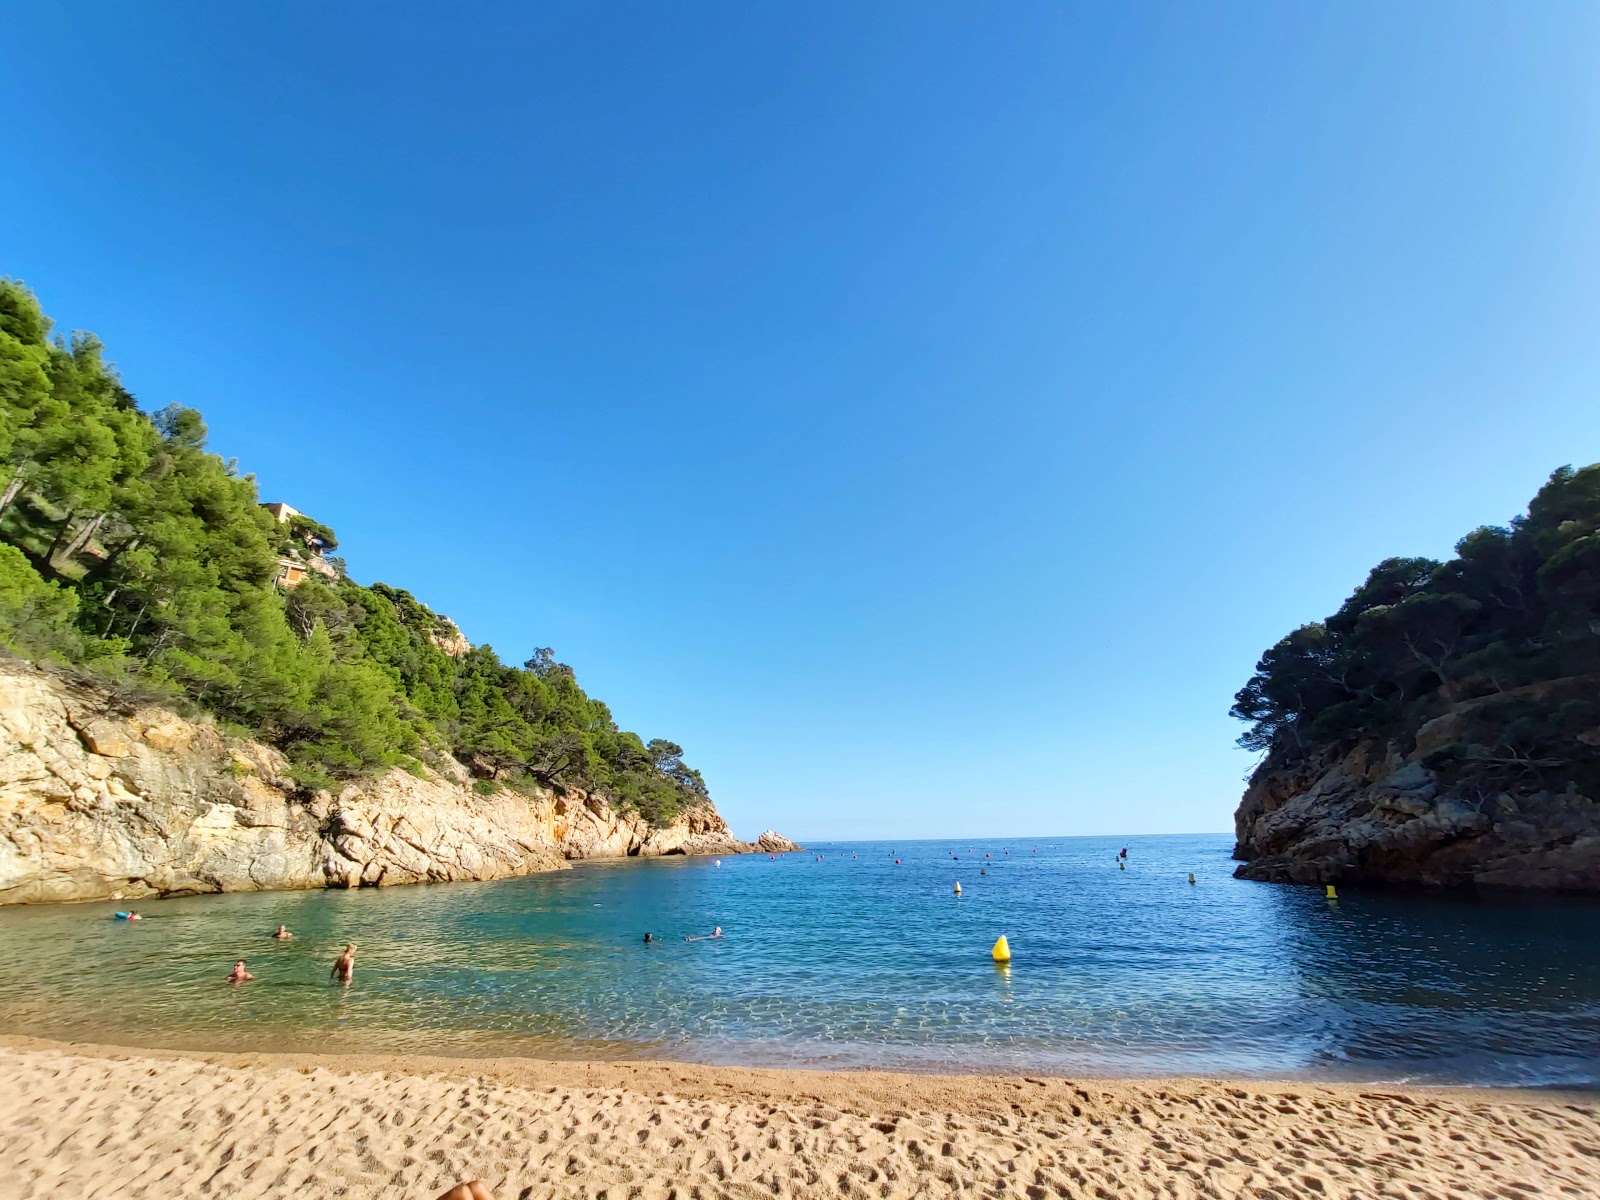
[
  {"x": 104, "y": 801},
  {"x": 1366, "y": 813}
]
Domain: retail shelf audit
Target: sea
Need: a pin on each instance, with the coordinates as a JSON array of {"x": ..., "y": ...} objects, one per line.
[{"x": 854, "y": 955}]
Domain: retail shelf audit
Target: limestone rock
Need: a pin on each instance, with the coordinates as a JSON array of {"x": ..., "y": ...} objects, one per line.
[
  {"x": 107, "y": 738},
  {"x": 97, "y": 802},
  {"x": 449, "y": 638}
]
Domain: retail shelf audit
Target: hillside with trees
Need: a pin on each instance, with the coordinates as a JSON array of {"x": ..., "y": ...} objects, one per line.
[
  {"x": 1477, "y": 679},
  {"x": 130, "y": 551}
]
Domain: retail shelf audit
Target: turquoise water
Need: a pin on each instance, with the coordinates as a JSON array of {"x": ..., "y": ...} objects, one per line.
[{"x": 854, "y": 961}]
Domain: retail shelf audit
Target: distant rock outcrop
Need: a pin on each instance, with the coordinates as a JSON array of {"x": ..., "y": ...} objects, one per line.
[
  {"x": 101, "y": 802},
  {"x": 773, "y": 842},
  {"x": 449, "y": 638},
  {"x": 1366, "y": 813}
]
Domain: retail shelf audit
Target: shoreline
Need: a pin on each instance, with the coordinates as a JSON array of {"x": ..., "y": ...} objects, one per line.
[
  {"x": 92, "y": 1119},
  {"x": 614, "y": 1065},
  {"x": 718, "y": 1081},
  {"x": 563, "y": 862}
]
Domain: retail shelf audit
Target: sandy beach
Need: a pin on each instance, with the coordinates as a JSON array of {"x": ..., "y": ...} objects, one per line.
[{"x": 95, "y": 1121}]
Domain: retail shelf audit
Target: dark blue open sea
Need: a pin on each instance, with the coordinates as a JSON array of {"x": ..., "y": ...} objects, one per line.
[{"x": 855, "y": 961}]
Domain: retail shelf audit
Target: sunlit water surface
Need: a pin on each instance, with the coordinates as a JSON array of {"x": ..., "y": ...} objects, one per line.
[{"x": 854, "y": 961}]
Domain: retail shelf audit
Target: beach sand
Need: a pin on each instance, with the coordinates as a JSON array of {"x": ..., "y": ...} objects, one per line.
[{"x": 86, "y": 1121}]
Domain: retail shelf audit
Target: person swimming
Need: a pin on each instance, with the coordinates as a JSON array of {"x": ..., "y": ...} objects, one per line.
[
  {"x": 240, "y": 975},
  {"x": 715, "y": 933},
  {"x": 283, "y": 934},
  {"x": 344, "y": 967},
  {"x": 648, "y": 939},
  {"x": 126, "y": 916}
]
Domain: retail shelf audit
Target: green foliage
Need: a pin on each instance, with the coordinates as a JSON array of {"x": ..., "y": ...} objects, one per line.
[
  {"x": 36, "y": 617},
  {"x": 314, "y": 535},
  {"x": 1506, "y": 633},
  {"x": 126, "y": 544}
]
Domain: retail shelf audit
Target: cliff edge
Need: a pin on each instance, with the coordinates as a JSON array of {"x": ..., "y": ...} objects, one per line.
[
  {"x": 104, "y": 801},
  {"x": 1365, "y": 813}
]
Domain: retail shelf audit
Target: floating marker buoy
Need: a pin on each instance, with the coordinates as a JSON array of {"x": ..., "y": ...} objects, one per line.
[
  {"x": 1332, "y": 895},
  {"x": 897, "y": 862},
  {"x": 986, "y": 856},
  {"x": 1121, "y": 866},
  {"x": 985, "y": 871},
  {"x": 958, "y": 887},
  {"x": 719, "y": 862},
  {"x": 1002, "y": 950},
  {"x": 1191, "y": 876}
]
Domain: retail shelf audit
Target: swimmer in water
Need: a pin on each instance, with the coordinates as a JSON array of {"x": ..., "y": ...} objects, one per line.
[
  {"x": 240, "y": 975},
  {"x": 344, "y": 967},
  {"x": 715, "y": 933},
  {"x": 648, "y": 939},
  {"x": 283, "y": 934}
]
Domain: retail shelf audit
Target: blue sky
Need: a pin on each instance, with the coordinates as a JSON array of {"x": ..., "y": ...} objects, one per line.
[{"x": 925, "y": 413}]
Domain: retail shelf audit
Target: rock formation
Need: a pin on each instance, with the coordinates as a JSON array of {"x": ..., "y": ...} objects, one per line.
[
  {"x": 773, "y": 842},
  {"x": 449, "y": 638},
  {"x": 1366, "y": 813},
  {"x": 102, "y": 802}
]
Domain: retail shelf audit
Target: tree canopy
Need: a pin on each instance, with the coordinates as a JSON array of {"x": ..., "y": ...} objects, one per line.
[
  {"x": 129, "y": 548},
  {"x": 1506, "y": 634}
]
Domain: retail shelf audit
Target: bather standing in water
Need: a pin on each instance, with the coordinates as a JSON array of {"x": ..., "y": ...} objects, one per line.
[
  {"x": 240, "y": 975},
  {"x": 344, "y": 967}
]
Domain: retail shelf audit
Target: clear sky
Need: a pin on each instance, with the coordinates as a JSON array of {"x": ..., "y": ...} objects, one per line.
[{"x": 924, "y": 413}]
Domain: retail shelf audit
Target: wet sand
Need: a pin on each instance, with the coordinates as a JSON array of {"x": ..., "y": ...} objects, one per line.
[{"x": 95, "y": 1121}]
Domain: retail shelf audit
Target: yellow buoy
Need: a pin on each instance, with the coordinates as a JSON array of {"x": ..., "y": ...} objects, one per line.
[
  {"x": 1191, "y": 876},
  {"x": 1332, "y": 895},
  {"x": 1002, "y": 950},
  {"x": 958, "y": 887}
]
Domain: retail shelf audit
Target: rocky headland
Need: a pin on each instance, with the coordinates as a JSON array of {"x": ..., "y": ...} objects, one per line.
[
  {"x": 105, "y": 800},
  {"x": 1442, "y": 726},
  {"x": 1364, "y": 812}
]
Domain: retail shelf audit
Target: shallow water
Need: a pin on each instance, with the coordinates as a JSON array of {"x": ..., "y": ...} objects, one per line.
[{"x": 854, "y": 961}]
